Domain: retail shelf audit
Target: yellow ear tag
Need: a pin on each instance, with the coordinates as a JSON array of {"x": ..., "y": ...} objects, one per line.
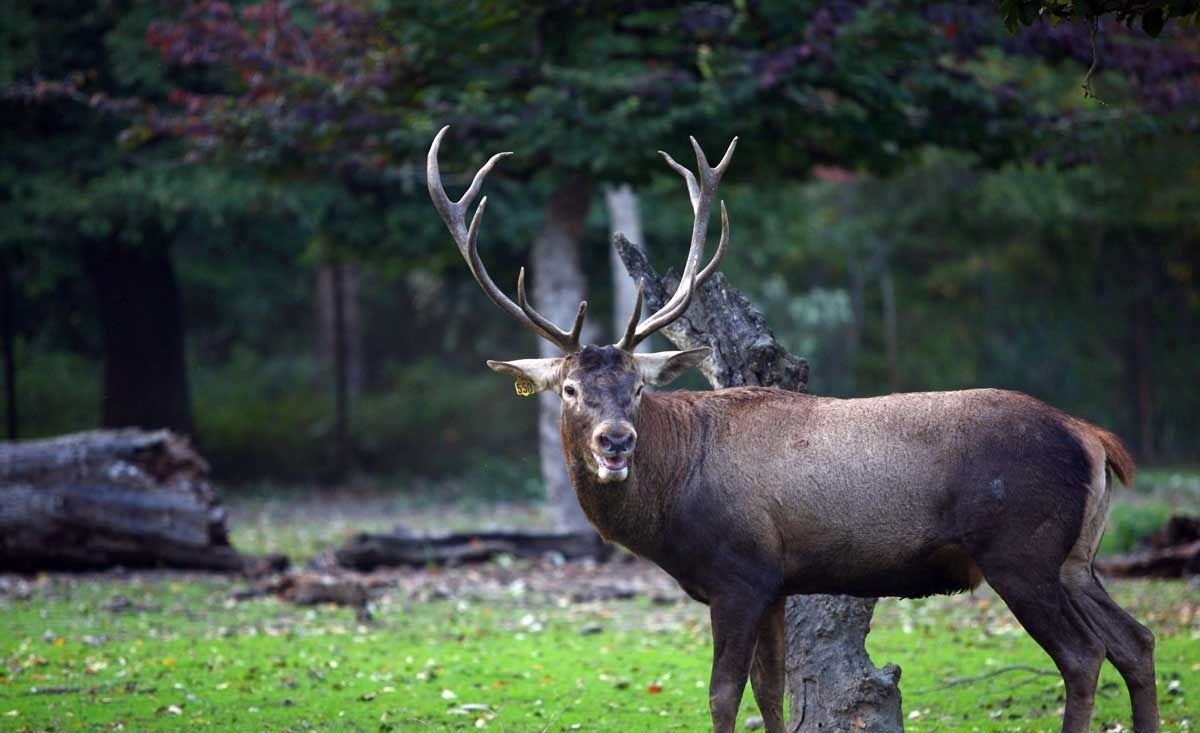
[{"x": 525, "y": 387}]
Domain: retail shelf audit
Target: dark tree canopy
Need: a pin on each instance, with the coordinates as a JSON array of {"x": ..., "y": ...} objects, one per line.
[{"x": 358, "y": 91}]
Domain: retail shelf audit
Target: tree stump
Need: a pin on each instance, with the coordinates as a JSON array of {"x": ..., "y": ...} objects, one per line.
[
  {"x": 95, "y": 500},
  {"x": 831, "y": 681}
]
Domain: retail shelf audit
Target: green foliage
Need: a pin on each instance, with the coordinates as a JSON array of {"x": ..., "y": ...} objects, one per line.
[
  {"x": 262, "y": 418},
  {"x": 431, "y": 420},
  {"x": 152, "y": 204},
  {"x": 1001, "y": 277},
  {"x": 63, "y": 178},
  {"x": 1181, "y": 484},
  {"x": 60, "y": 392},
  {"x": 576, "y": 88},
  {"x": 1130, "y": 521},
  {"x": 1157, "y": 495}
]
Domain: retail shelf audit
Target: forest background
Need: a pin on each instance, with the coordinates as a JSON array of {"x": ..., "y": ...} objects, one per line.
[{"x": 213, "y": 216}]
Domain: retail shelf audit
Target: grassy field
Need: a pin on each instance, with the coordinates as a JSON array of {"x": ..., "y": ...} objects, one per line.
[{"x": 508, "y": 647}]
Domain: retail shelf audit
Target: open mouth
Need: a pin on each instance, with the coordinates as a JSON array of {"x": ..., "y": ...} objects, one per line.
[
  {"x": 613, "y": 463},
  {"x": 612, "y": 468}
]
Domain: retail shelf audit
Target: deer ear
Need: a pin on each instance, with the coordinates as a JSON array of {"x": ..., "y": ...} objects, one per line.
[
  {"x": 662, "y": 367},
  {"x": 537, "y": 375}
]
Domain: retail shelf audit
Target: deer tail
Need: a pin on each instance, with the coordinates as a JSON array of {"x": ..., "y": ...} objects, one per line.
[{"x": 1117, "y": 456}]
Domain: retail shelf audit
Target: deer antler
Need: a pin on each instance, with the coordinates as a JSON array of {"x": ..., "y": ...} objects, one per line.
[
  {"x": 701, "y": 193},
  {"x": 454, "y": 214}
]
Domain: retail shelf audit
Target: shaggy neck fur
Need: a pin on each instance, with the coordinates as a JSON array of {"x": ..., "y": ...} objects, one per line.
[{"x": 633, "y": 512}]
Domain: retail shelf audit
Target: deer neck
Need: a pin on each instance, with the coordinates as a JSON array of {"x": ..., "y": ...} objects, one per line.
[{"x": 634, "y": 512}]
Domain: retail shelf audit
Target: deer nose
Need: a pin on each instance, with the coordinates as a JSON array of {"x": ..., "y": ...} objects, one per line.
[{"x": 616, "y": 438}]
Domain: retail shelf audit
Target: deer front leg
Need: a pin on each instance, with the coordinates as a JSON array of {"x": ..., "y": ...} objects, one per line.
[
  {"x": 735, "y": 622},
  {"x": 766, "y": 672}
]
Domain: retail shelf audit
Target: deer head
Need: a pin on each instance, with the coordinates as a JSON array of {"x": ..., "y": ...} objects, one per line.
[{"x": 600, "y": 386}]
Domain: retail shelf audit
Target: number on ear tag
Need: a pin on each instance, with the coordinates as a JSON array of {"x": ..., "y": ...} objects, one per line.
[{"x": 525, "y": 387}]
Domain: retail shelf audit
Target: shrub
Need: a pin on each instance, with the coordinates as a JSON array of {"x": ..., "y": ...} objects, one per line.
[
  {"x": 272, "y": 418},
  {"x": 1131, "y": 520},
  {"x": 262, "y": 417},
  {"x": 57, "y": 392}
]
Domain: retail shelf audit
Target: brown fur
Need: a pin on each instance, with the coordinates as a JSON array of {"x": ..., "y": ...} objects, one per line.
[
  {"x": 1117, "y": 456},
  {"x": 751, "y": 494}
]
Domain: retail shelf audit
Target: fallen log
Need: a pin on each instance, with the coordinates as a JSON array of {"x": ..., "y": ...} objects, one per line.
[
  {"x": 106, "y": 498},
  {"x": 1180, "y": 529},
  {"x": 367, "y": 551},
  {"x": 1170, "y": 562},
  {"x": 1170, "y": 552}
]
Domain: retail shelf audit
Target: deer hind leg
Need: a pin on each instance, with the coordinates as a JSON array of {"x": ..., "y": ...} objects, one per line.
[
  {"x": 1128, "y": 645},
  {"x": 1044, "y": 607},
  {"x": 766, "y": 672}
]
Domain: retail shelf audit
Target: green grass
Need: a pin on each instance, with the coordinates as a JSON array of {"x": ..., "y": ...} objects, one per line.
[
  {"x": 189, "y": 660},
  {"x": 166, "y": 652},
  {"x": 944, "y": 640},
  {"x": 163, "y": 651}
]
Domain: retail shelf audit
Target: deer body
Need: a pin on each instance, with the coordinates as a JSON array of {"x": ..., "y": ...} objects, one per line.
[
  {"x": 748, "y": 495},
  {"x": 868, "y": 497}
]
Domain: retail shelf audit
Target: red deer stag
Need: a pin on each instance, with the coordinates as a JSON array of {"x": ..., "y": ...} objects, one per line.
[{"x": 748, "y": 495}]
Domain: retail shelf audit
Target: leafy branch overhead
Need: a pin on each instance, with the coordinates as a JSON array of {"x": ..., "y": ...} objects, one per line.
[
  {"x": 1152, "y": 15},
  {"x": 356, "y": 89}
]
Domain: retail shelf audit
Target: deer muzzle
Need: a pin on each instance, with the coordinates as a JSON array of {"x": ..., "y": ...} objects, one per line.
[{"x": 612, "y": 447}]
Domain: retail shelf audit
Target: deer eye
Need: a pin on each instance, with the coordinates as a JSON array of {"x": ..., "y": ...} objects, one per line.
[
  {"x": 638, "y": 392},
  {"x": 569, "y": 390}
]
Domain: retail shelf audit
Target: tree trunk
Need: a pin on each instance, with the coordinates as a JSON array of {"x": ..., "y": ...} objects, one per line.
[
  {"x": 558, "y": 286},
  {"x": 625, "y": 219},
  {"x": 833, "y": 684},
  {"x": 104, "y": 498},
  {"x": 350, "y": 286},
  {"x": 141, "y": 323},
  {"x": 1140, "y": 353},
  {"x": 858, "y": 323},
  {"x": 339, "y": 342},
  {"x": 891, "y": 337},
  {"x": 8, "y": 328}
]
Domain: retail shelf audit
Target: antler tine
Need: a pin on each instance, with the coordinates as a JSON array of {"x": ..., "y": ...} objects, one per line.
[
  {"x": 727, "y": 158},
  {"x": 627, "y": 341},
  {"x": 453, "y": 213},
  {"x": 701, "y": 191},
  {"x": 693, "y": 188},
  {"x": 666, "y": 316},
  {"x": 719, "y": 255},
  {"x": 569, "y": 340}
]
